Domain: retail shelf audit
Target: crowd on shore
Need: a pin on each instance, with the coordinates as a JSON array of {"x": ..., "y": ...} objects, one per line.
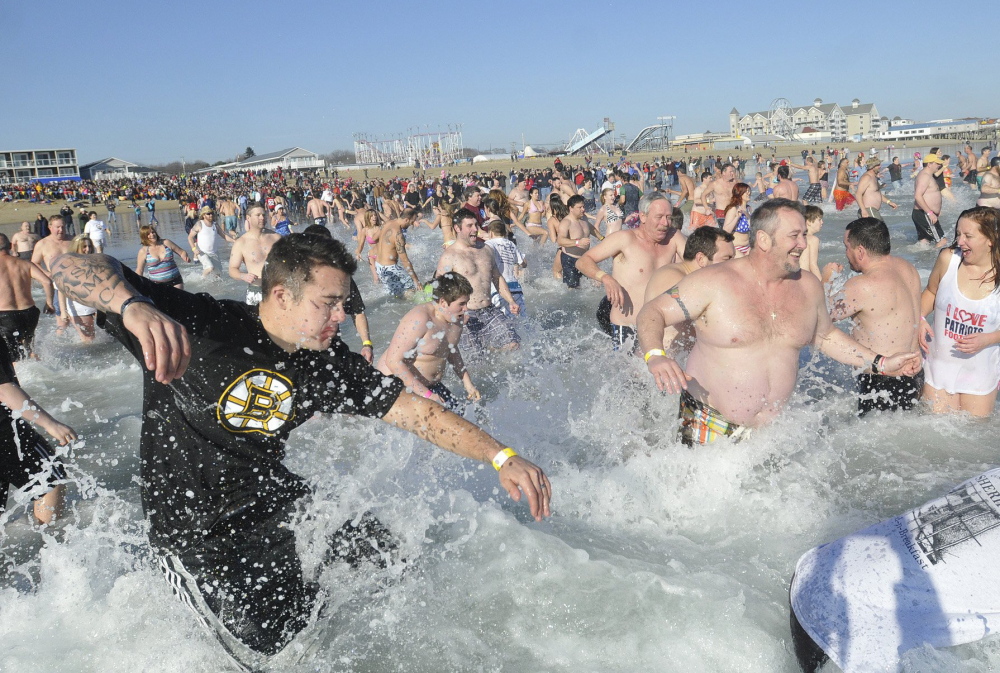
[{"x": 710, "y": 275}]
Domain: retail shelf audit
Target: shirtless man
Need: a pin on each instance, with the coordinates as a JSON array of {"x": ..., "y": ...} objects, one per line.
[
  {"x": 23, "y": 242},
  {"x": 927, "y": 203},
  {"x": 318, "y": 210},
  {"x": 752, "y": 316},
  {"x": 573, "y": 238},
  {"x": 884, "y": 302},
  {"x": 786, "y": 188},
  {"x": 18, "y": 313},
  {"x": 686, "y": 195},
  {"x": 702, "y": 214},
  {"x": 842, "y": 192},
  {"x": 815, "y": 192},
  {"x": 721, "y": 191},
  {"x": 637, "y": 253},
  {"x": 705, "y": 246},
  {"x": 47, "y": 249},
  {"x": 229, "y": 210},
  {"x": 392, "y": 263},
  {"x": 487, "y": 328},
  {"x": 250, "y": 251},
  {"x": 427, "y": 340},
  {"x": 519, "y": 198},
  {"x": 989, "y": 190},
  {"x": 869, "y": 196},
  {"x": 970, "y": 164}
]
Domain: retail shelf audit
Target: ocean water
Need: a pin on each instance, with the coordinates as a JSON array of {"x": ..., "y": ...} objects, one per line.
[{"x": 657, "y": 557}]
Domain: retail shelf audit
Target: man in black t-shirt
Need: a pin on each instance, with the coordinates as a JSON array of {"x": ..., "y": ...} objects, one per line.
[{"x": 214, "y": 488}]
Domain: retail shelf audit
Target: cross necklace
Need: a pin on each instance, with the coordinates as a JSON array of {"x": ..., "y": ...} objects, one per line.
[{"x": 774, "y": 316}]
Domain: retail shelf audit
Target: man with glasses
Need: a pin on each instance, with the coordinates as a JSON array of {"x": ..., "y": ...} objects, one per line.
[{"x": 224, "y": 386}]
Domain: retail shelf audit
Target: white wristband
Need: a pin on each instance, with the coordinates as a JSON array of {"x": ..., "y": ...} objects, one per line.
[{"x": 502, "y": 457}]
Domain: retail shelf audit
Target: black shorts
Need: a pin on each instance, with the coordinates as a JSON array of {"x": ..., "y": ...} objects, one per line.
[
  {"x": 451, "y": 402},
  {"x": 571, "y": 275},
  {"x": 604, "y": 316},
  {"x": 17, "y": 328},
  {"x": 28, "y": 462},
  {"x": 245, "y": 582},
  {"x": 925, "y": 232},
  {"x": 888, "y": 393}
]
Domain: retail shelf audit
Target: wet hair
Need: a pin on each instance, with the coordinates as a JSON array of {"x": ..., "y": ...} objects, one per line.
[
  {"x": 677, "y": 219},
  {"x": 988, "y": 220},
  {"x": 450, "y": 286},
  {"x": 491, "y": 205},
  {"x": 870, "y": 233},
  {"x": 293, "y": 258},
  {"x": 783, "y": 172},
  {"x": 574, "y": 200},
  {"x": 4, "y": 243},
  {"x": 647, "y": 201},
  {"x": 812, "y": 213},
  {"x": 464, "y": 214},
  {"x": 553, "y": 197},
  {"x": 76, "y": 245},
  {"x": 739, "y": 189},
  {"x": 725, "y": 166},
  {"x": 706, "y": 241},
  {"x": 765, "y": 218},
  {"x": 409, "y": 214},
  {"x": 705, "y": 174},
  {"x": 317, "y": 230},
  {"x": 559, "y": 209},
  {"x": 146, "y": 232}
]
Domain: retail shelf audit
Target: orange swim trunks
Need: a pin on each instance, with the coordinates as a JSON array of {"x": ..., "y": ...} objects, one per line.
[
  {"x": 699, "y": 220},
  {"x": 842, "y": 198}
]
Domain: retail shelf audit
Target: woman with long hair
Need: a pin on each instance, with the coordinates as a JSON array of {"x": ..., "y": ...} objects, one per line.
[
  {"x": 531, "y": 218},
  {"x": 80, "y": 315},
  {"x": 156, "y": 258},
  {"x": 369, "y": 231},
  {"x": 609, "y": 213},
  {"x": 737, "y": 220},
  {"x": 962, "y": 363}
]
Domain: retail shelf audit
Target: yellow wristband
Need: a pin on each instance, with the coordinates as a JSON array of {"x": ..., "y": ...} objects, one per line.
[
  {"x": 655, "y": 351},
  {"x": 501, "y": 458},
  {"x": 366, "y": 343},
  {"x": 600, "y": 274}
]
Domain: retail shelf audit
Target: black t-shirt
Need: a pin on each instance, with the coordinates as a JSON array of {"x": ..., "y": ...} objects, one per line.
[
  {"x": 632, "y": 196},
  {"x": 412, "y": 199},
  {"x": 895, "y": 172},
  {"x": 213, "y": 441}
]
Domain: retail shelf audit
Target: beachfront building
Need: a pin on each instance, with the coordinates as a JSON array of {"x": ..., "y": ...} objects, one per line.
[
  {"x": 19, "y": 166},
  {"x": 943, "y": 129},
  {"x": 293, "y": 158},
  {"x": 826, "y": 120},
  {"x": 114, "y": 168}
]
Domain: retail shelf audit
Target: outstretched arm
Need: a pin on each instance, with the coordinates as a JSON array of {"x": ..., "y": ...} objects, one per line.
[
  {"x": 97, "y": 281},
  {"x": 429, "y": 420}
]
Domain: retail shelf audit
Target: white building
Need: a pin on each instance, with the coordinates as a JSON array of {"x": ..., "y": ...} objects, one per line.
[
  {"x": 953, "y": 129},
  {"x": 840, "y": 122},
  {"x": 48, "y": 165},
  {"x": 293, "y": 158},
  {"x": 114, "y": 168}
]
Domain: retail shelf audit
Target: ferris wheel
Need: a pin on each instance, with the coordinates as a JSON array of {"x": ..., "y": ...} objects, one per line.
[{"x": 780, "y": 117}]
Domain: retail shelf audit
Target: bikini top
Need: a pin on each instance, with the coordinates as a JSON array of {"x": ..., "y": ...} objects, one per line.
[
  {"x": 532, "y": 208},
  {"x": 742, "y": 224}
]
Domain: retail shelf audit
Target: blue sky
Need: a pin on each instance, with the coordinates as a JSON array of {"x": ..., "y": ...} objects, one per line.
[{"x": 152, "y": 82}]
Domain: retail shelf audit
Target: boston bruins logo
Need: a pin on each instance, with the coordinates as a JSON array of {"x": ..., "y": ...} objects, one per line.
[{"x": 258, "y": 401}]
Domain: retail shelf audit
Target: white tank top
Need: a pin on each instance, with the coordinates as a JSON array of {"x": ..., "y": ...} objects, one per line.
[
  {"x": 929, "y": 576},
  {"x": 206, "y": 238},
  {"x": 956, "y": 315}
]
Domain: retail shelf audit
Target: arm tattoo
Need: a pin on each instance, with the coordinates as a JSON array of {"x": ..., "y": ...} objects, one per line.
[
  {"x": 675, "y": 293},
  {"x": 88, "y": 279}
]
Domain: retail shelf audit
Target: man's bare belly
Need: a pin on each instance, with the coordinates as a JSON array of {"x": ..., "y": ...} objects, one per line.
[{"x": 748, "y": 386}]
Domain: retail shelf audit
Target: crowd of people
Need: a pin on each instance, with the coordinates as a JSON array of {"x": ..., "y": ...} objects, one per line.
[{"x": 714, "y": 282}]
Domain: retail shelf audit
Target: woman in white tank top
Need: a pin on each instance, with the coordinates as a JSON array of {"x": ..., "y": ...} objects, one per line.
[{"x": 962, "y": 365}]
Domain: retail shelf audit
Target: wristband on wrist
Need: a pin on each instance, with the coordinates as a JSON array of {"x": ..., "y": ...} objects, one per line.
[
  {"x": 501, "y": 458},
  {"x": 877, "y": 364},
  {"x": 142, "y": 299},
  {"x": 428, "y": 394},
  {"x": 366, "y": 343},
  {"x": 655, "y": 351}
]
